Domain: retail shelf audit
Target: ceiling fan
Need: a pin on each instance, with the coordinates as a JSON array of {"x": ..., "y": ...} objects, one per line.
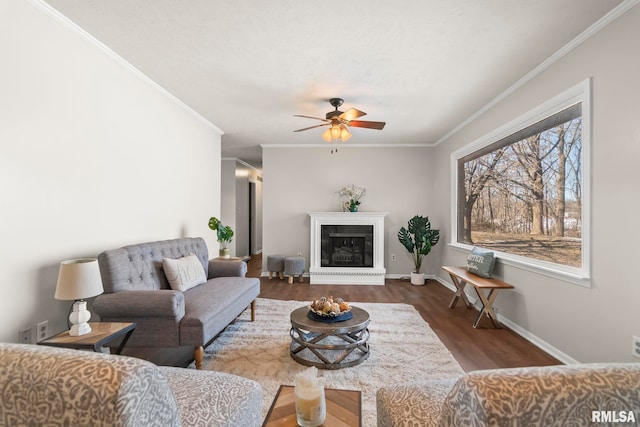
[{"x": 338, "y": 122}]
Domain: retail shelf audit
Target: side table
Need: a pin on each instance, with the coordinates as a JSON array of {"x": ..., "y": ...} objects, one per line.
[{"x": 101, "y": 334}]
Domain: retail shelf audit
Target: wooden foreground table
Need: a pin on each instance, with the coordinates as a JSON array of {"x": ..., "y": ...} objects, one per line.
[{"x": 343, "y": 408}]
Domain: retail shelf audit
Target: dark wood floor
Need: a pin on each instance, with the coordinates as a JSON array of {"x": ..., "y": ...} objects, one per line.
[{"x": 480, "y": 348}]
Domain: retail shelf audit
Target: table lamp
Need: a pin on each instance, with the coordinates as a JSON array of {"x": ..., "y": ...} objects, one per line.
[{"x": 79, "y": 279}]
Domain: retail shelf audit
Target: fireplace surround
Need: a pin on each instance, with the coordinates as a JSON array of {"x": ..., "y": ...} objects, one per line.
[{"x": 347, "y": 248}]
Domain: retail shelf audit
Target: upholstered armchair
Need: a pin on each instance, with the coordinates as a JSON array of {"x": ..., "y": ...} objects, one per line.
[
  {"x": 46, "y": 386},
  {"x": 566, "y": 395}
]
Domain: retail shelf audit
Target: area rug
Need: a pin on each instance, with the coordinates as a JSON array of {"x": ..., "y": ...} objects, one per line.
[{"x": 403, "y": 349}]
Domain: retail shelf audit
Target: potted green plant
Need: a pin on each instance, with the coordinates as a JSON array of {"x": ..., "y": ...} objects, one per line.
[
  {"x": 225, "y": 235},
  {"x": 418, "y": 238}
]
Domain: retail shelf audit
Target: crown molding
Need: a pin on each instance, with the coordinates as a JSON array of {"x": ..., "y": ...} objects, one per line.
[
  {"x": 242, "y": 162},
  {"x": 614, "y": 14},
  {"x": 348, "y": 145},
  {"x": 66, "y": 22}
]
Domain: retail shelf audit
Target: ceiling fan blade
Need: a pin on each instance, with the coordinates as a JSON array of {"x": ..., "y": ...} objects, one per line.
[
  {"x": 312, "y": 127},
  {"x": 310, "y": 117},
  {"x": 351, "y": 114},
  {"x": 366, "y": 124}
]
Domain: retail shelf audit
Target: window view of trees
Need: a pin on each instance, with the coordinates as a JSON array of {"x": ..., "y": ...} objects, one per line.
[{"x": 523, "y": 194}]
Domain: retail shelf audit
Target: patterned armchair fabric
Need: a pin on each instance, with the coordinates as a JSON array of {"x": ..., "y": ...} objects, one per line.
[
  {"x": 542, "y": 396},
  {"x": 234, "y": 401},
  {"x": 60, "y": 387},
  {"x": 412, "y": 404},
  {"x": 519, "y": 397}
]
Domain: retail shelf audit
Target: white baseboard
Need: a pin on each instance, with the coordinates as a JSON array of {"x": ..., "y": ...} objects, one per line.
[
  {"x": 407, "y": 276},
  {"x": 537, "y": 341},
  {"x": 533, "y": 339}
]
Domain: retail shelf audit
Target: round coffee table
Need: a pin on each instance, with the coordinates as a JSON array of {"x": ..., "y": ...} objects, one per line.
[{"x": 329, "y": 345}]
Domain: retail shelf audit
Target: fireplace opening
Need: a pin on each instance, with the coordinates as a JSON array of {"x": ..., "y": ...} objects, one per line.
[{"x": 346, "y": 246}]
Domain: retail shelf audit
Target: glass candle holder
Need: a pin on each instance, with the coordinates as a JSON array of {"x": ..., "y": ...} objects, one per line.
[{"x": 311, "y": 408}]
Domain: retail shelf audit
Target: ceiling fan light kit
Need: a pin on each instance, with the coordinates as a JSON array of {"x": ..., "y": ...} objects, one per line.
[
  {"x": 336, "y": 132},
  {"x": 338, "y": 122}
]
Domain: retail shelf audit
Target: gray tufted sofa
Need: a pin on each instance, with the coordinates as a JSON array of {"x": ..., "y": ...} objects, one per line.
[
  {"x": 571, "y": 395},
  {"x": 137, "y": 290},
  {"x": 60, "y": 387}
]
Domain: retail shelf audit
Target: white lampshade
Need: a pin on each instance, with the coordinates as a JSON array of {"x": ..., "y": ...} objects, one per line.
[{"x": 79, "y": 279}]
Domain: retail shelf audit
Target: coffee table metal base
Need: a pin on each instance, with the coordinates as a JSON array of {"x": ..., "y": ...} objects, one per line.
[{"x": 329, "y": 345}]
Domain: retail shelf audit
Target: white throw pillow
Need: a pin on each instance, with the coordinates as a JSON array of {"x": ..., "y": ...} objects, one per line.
[{"x": 184, "y": 273}]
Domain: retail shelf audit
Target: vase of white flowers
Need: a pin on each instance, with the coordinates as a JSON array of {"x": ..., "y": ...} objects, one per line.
[{"x": 353, "y": 193}]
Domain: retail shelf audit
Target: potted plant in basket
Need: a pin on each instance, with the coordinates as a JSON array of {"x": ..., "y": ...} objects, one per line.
[
  {"x": 418, "y": 238},
  {"x": 225, "y": 235}
]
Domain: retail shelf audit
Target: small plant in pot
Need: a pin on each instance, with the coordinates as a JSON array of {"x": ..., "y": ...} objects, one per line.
[
  {"x": 225, "y": 235},
  {"x": 418, "y": 238}
]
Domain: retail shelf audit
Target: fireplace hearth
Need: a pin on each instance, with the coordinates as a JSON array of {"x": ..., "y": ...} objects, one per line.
[{"x": 347, "y": 248}]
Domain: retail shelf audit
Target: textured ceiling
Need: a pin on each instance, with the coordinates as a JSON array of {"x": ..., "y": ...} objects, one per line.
[{"x": 423, "y": 66}]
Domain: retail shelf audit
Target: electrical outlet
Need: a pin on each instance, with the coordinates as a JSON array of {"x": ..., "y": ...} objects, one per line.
[
  {"x": 393, "y": 257},
  {"x": 635, "y": 348},
  {"x": 299, "y": 253},
  {"x": 25, "y": 336},
  {"x": 43, "y": 330}
]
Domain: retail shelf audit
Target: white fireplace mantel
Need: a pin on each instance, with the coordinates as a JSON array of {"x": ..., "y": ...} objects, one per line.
[{"x": 347, "y": 275}]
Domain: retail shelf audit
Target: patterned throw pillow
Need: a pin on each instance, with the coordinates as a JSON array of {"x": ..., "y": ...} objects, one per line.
[
  {"x": 480, "y": 262},
  {"x": 184, "y": 273}
]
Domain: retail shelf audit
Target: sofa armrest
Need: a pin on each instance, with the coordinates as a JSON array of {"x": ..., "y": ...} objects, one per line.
[
  {"x": 221, "y": 268},
  {"x": 412, "y": 404},
  {"x": 127, "y": 304}
]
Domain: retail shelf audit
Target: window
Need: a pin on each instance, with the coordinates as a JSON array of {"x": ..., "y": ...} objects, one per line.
[{"x": 522, "y": 191}]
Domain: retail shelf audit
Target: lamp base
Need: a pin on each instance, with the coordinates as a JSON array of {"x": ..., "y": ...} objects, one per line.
[
  {"x": 81, "y": 329},
  {"x": 79, "y": 318}
]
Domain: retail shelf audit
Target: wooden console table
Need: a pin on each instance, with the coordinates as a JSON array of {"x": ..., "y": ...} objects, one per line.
[{"x": 460, "y": 277}]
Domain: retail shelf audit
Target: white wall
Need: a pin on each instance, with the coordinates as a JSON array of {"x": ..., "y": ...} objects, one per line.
[
  {"x": 256, "y": 231},
  {"x": 92, "y": 157},
  {"x": 228, "y": 203},
  {"x": 586, "y": 324},
  {"x": 242, "y": 211},
  {"x": 301, "y": 180},
  {"x": 235, "y": 210}
]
